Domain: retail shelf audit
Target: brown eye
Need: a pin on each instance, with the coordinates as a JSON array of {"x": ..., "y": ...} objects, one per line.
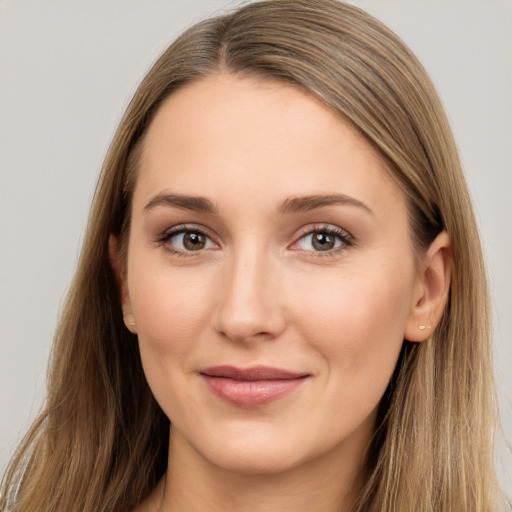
[
  {"x": 189, "y": 241},
  {"x": 326, "y": 240},
  {"x": 194, "y": 241},
  {"x": 322, "y": 241}
]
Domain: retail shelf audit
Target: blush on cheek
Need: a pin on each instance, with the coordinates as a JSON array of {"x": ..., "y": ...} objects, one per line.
[
  {"x": 359, "y": 322},
  {"x": 174, "y": 331},
  {"x": 169, "y": 321}
]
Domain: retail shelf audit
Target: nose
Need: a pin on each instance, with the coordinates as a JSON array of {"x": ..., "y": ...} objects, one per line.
[{"x": 250, "y": 305}]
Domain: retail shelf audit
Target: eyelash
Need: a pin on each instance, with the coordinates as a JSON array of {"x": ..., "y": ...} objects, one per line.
[
  {"x": 165, "y": 237},
  {"x": 346, "y": 239}
]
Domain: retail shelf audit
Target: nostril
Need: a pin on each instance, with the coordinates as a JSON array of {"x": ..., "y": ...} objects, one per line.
[
  {"x": 245, "y": 333},
  {"x": 248, "y": 308},
  {"x": 256, "y": 326}
]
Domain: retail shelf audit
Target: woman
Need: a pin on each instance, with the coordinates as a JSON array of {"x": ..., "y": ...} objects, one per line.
[{"x": 281, "y": 263}]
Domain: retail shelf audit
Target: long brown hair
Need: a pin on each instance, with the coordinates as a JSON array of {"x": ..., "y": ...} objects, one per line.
[{"x": 101, "y": 442}]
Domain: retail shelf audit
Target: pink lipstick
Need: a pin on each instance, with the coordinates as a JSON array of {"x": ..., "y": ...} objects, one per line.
[{"x": 251, "y": 387}]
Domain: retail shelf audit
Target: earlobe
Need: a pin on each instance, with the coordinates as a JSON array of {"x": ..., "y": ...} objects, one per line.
[
  {"x": 118, "y": 266},
  {"x": 431, "y": 291}
]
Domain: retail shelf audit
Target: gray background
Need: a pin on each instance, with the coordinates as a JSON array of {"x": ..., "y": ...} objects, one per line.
[{"x": 67, "y": 71}]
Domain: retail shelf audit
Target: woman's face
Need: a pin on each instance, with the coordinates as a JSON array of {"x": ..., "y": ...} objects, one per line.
[{"x": 270, "y": 275}]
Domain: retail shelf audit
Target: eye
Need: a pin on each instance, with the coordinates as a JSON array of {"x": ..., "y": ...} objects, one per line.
[
  {"x": 184, "y": 240},
  {"x": 324, "y": 239},
  {"x": 191, "y": 241}
]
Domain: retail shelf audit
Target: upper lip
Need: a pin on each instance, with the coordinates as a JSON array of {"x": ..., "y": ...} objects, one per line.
[{"x": 253, "y": 373}]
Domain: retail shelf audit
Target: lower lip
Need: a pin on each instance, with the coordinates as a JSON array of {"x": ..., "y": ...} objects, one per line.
[{"x": 252, "y": 393}]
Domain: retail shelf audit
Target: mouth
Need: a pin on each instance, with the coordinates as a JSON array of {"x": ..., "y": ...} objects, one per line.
[{"x": 251, "y": 387}]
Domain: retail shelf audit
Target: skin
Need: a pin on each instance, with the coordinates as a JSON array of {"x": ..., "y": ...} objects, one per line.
[{"x": 260, "y": 293}]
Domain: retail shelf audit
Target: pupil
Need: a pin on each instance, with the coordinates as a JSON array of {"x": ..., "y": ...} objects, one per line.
[
  {"x": 194, "y": 241},
  {"x": 323, "y": 241}
]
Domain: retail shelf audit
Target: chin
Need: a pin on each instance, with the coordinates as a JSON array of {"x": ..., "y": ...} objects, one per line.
[
  {"x": 256, "y": 461},
  {"x": 243, "y": 449}
]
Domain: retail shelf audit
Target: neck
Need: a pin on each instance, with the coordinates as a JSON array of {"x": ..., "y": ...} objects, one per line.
[{"x": 329, "y": 483}]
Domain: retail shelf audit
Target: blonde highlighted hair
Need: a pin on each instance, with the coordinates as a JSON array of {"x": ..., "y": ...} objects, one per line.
[{"x": 101, "y": 442}]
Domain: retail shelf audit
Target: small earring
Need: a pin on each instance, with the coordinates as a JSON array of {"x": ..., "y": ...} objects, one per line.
[
  {"x": 129, "y": 321},
  {"x": 422, "y": 327}
]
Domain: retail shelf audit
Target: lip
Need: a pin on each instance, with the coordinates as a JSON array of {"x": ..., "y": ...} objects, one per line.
[{"x": 253, "y": 386}]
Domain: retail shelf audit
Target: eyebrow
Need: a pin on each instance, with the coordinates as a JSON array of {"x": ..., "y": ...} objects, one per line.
[
  {"x": 308, "y": 203},
  {"x": 290, "y": 205},
  {"x": 193, "y": 203}
]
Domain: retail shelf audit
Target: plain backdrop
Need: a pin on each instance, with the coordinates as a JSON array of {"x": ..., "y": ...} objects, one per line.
[{"x": 67, "y": 71}]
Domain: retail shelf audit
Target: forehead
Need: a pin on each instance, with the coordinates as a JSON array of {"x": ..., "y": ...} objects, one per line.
[{"x": 232, "y": 133}]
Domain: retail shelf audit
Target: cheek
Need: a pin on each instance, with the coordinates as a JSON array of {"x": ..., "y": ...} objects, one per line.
[
  {"x": 170, "y": 308},
  {"x": 171, "y": 311},
  {"x": 356, "y": 323}
]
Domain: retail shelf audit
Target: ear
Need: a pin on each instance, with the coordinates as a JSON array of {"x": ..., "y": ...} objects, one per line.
[
  {"x": 119, "y": 268},
  {"x": 431, "y": 290}
]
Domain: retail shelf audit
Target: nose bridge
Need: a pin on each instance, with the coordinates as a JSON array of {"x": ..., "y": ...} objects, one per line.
[{"x": 248, "y": 305}]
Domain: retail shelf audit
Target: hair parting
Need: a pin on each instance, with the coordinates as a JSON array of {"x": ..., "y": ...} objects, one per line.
[{"x": 433, "y": 450}]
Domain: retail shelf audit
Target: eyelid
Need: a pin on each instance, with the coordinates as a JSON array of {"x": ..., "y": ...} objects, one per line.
[
  {"x": 169, "y": 233},
  {"x": 346, "y": 238}
]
